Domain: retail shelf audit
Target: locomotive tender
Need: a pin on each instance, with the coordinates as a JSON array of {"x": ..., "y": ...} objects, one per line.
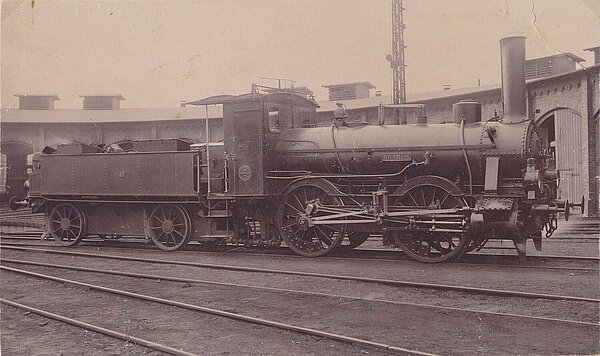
[{"x": 436, "y": 190}]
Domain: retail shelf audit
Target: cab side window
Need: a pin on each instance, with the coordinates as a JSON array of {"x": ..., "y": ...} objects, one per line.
[
  {"x": 273, "y": 119},
  {"x": 307, "y": 118}
]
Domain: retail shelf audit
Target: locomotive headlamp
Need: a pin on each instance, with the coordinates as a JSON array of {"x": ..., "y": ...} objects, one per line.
[{"x": 532, "y": 175}]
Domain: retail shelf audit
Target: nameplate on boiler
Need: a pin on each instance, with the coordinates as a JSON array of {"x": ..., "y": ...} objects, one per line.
[{"x": 395, "y": 157}]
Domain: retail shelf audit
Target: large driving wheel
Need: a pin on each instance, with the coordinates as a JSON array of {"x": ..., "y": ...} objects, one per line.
[
  {"x": 66, "y": 224},
  {"x": 169, "y": 227},
  {"x": 434, "y": 244},
  {"x": 294, "y": 215}
]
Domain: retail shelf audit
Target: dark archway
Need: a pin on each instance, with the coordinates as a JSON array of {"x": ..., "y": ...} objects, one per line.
[{"x": 15, "y": 167}]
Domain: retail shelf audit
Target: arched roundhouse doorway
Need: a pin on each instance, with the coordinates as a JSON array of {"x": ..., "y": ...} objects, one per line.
[{"x": 562, "y": 130}]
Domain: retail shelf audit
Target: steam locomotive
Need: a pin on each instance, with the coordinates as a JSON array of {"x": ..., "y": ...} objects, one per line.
[{"x": 436, "y": 190}]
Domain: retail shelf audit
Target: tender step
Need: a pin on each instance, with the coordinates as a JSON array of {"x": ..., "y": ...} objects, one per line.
[{"x": 219, "y": 214}]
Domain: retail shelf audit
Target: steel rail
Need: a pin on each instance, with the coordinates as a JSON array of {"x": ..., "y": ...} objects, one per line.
[
  {"x": 98, "y": 329},
  {"x": 355, "y": 254},
  {"x": 198, "y": 308},
  {"x": 15, "y": 235},
  {"x": 572, "y": 239},
  {"x": 26, "y": 238},
  {"x": 24, "y": 233},
  {"x": 583, "y": 258},
  {"x": 286, "y": 290},
  {"x": 25, "y": 213},
  {"x": 400, "y": 283}
]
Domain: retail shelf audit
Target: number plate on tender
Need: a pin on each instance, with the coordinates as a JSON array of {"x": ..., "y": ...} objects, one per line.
[{"x": 395, "y": 157}]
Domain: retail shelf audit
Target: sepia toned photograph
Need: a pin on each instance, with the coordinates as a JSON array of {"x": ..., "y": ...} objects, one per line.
[{"x": 300, "y": 177}]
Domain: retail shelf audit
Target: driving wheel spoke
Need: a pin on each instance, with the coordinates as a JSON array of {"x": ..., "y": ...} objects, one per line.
[
  {"x": 327, "y": 238},
  {"x": 413, "y": 199},
  {"x": 331, "y": 228},
  {"x": 433, "y": 197},
  {"x": 315, "y": 241},
  {"x": 291, "y": 206}
]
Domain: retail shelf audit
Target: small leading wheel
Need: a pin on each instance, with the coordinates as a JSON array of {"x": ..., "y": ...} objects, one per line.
[
  {"x": 433, "y": 245},
  {"x": 169, "y": 227},
  {"x": 294, "y": 215},
  {"x": 66, "y": 224}
]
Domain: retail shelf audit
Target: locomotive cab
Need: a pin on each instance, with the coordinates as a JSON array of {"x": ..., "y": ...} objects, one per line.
[{"x": 252, "y": 124}]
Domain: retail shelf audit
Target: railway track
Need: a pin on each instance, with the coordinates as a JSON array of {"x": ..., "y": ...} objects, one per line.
[
  {"x": 164, "y": 292},
  {"x": 476, "y": 259},
  {"x": 380, "y": 281},
  {"x": 223, "y": 313},
  {"x": 18, "y": 212},
  {"x": 19, "y": 215},
  {"x": 96, "y": 328},
  {"x": 541, "y": 318},
  {"x": 585, "y": 239},
  {"x": 295, "y": 291}
]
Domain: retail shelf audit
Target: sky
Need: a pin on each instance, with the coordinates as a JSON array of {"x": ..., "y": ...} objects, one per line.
[{"x": 158, "y": 53}]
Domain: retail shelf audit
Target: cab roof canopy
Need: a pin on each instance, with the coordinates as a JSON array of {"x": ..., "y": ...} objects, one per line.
[{"x": 278, "y": 96}]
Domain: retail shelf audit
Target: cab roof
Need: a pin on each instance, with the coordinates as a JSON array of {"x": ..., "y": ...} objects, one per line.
[{"x": 274, "y": 96}]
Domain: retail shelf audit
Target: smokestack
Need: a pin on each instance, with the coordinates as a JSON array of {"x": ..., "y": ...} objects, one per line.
[{"x": 512, "y": 56}]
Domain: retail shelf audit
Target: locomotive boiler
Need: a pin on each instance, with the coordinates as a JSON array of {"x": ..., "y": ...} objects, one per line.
[{"x": 435, "y": 190}]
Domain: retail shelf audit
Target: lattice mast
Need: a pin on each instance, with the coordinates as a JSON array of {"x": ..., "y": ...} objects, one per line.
[{"x": 397, "y": 60}]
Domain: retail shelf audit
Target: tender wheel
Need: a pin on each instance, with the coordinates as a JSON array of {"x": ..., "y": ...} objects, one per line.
[
  {"x": 66, "y": 224},
  {"x": 169, "y": 227},
  {"x": 430, "y": 245},
  {"x": 294, "y": 215},
  {"x": 356, "y": 239}
]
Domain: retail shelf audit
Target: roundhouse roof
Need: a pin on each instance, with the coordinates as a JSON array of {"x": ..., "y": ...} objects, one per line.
[{"x": 101, "y": 116}]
